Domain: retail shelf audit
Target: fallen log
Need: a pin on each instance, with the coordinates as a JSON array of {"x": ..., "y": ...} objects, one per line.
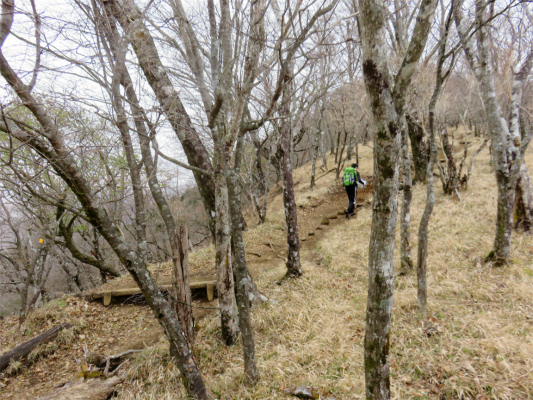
[
  {"x": 93, "y": 389},
  {"x": 25, "y": 348}
]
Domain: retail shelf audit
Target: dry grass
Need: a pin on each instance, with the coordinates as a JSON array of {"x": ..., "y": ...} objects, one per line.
[
  {"x": 44, "y": 318},
  {"x": 312, "y": 332}
]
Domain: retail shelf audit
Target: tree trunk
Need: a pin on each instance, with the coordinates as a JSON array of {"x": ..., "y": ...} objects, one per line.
[
  {"x": 349, "y": 146},
  {"x": 384, "y": 204},
  {"x": 421, "y": 267},
  {"x": 243, "y": 282},
  {"x": 316, "y": 139},
  {"x": 406, "y": 258},
  {"x": 504, "y": 220},
  {"x": 179, "y": 258},
  {"x": 524, "y": 200},
  {"x": 419, "y": 148},
  {"x": 499, "y": 132},
  {"x": 386, "y": 96},
  {"x": 225, "y": 283},
  {"x": 337, "y": 146},
  {"x": 340, "y": 158},
  {"x": 259, "y": 189},
  {"x": 451, "y": 182},
  {"x": 322, "y": 145},
  {"x": 181, "y": 284},
  {"x": 380, "y": 266},
  {"x": 177, "y": 247},
  {"x": 41, "y": 253},
  {"x": 294, "y": 267}
]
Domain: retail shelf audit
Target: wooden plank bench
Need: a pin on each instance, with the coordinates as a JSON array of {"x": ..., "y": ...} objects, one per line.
[{"x": 109, "y": 294}]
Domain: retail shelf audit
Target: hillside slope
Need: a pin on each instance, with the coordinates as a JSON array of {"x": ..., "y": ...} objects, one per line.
[{"x": 311, "y": 332}]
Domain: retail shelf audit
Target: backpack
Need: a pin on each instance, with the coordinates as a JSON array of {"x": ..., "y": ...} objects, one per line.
[{"x": 349, "y": 176}]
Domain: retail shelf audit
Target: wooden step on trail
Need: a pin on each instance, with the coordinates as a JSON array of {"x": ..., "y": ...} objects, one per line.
[{"x": 109, "y": 294}]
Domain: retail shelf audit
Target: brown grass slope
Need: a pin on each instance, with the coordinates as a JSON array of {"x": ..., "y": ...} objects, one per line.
[{"x": 312, "y": 331}]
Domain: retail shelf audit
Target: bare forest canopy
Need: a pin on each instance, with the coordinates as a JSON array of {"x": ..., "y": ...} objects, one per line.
[{"x": 133, "y": 133}]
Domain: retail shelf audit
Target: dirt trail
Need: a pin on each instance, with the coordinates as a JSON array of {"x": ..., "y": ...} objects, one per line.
[{"x": 268, "y": 255}]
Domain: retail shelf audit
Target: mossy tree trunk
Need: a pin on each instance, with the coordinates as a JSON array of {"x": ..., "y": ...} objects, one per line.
[
  {"x": 450, "y": 182},
  {"x": 406, "y": 258},
  {"x": 294, "y": 268},
  {"x": 243, "y": 280},
  {"x": 419, "y": 148},
  {"x": 259, "y": 187},
  {"x": 181, "y": 283},
  {"x": 524, "y": 200},
  {"x": 387, "y": 99},
  {"x": 225, "y": 283}
]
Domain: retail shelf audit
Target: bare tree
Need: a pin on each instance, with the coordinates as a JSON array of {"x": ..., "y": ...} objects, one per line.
[
  {"x": 48, "y": 142},
  {"x": 25, "y": 255},
  {"x": 121, "y": 77},
  {"x": 508, "y": 143},
  {"x": 37, "y": 243},
  {"x": 441, "y": 76}
]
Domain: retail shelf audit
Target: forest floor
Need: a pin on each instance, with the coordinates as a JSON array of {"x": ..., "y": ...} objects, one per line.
[{"x": 311, "y": 331}]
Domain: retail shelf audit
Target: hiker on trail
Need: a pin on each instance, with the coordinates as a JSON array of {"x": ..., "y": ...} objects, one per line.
[{"x": 350, "y": 180}]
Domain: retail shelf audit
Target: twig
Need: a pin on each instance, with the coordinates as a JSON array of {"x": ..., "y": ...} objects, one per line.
[
  {"x": 331, "y": 170},
  {"x": 108, "y": 359}
]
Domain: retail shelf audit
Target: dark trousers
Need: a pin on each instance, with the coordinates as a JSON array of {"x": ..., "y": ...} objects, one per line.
[{"x": 351, "y": 191}]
